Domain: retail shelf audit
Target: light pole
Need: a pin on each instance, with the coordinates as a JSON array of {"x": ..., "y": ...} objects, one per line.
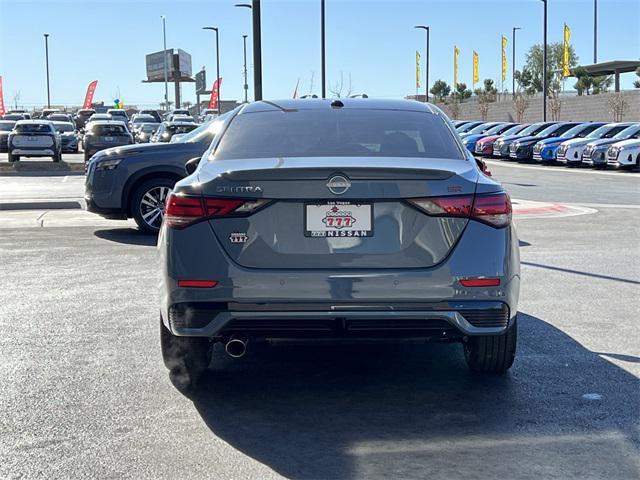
[
  {"x": 257, "y": 47},
  {"x": 215, "y": 29},
  {"x": 164, "y": 61},
  {"x": 595, "y": 31},
  {"x": 246, "y": 86},
  {"x": 46, "y": 56},
  {"x": 323, "y": 57},
  {"x": 544, "y": 66},
  {"x": 513, "y": 61},
  {"x": 426, "y": 87}
]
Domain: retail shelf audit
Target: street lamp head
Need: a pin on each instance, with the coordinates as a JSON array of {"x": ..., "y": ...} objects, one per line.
[
  {"x": 245, "y": 36},
  {"x": 245, "y": 5},
  {"x": 517, "y": 28},
  {"x": 211, "y": 28},
  {"x": 46, "y": 35},
  {"x": 423, "y": 27}
]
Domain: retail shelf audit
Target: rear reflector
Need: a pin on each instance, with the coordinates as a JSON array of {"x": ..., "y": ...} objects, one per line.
[
  {"x": 493, "y": 209},
  {"x": 197, "y": 283},
  {"x": 184, "y": 210},
  {"x": 480, "y": 282}
]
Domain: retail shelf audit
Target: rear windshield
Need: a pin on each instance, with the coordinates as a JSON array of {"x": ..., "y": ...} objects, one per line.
[
  {"x": 143, "y": 119},
  {"x": 337, "y": 133},
  {"x": 33, "y": 128},
  {"x": 109, "y": 130},
  {"x": 6, "y": 127},
  {"x": 63, "y": 127},
  {"x": 181, "y": 128},
  {"x": 149, "y": 127}
]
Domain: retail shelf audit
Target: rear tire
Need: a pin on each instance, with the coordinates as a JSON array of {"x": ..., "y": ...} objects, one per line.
[
  {"x": 87, "y": 157},
  {"x": 57, "y": 158},
  {"x": 147, "y": 203},
  {"x": 492, "y": 353},
  {"x": 187, "y": 358},
  {"x": 12, "y": 158}
]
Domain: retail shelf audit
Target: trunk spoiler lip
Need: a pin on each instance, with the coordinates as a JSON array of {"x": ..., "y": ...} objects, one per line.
[{"x": 321, "y": 168}]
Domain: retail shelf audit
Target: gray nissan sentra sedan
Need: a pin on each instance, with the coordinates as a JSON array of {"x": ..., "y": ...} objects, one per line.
[{"x": 351, "y": 218}]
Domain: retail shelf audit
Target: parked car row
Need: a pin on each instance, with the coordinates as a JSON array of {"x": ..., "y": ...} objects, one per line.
[{"x": 591, "y": 144}]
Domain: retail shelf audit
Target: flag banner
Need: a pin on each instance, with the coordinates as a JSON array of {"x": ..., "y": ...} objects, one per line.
[
  {"x": 295, "y": 91},
  {"x": 476, "y": 72},
  {"x": 88, "y": 98},
  {"x": 417, "y": 69},
  {"x": 213, "y": 102},
  {"x": 504, "y": 58},
  {"x": 2, "y": 110},
  {"x": 565, "y": 57},
  {"x": 456, "y": 52}
]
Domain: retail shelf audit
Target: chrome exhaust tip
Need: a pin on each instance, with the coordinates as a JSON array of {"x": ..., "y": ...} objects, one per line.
[{"x": 236, "y": 347}]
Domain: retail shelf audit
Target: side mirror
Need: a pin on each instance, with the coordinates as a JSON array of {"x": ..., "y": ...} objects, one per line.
[
  {"x": 483, "y": 166},
  {"x": 192, "y": 165}
]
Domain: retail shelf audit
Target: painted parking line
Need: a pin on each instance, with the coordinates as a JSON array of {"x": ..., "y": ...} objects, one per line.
[
  {"x": 524, "y": 209},
  {"x": 626, "y": 174}
]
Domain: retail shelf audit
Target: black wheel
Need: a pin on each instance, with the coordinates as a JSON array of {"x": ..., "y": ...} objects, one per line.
[
  {"x": 87, "y": 157},
  {"x": 12, "y": 158},
  {"x": 147, "y": 203},
  {"x": 57, "y": 158},
  {"x": 187, "y": 358},
  {"x": 636, "y": 167},
  {"x": 492, "y": 353}
]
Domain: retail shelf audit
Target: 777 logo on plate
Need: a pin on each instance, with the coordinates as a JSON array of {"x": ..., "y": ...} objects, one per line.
[{"x": 336, "y": 218}]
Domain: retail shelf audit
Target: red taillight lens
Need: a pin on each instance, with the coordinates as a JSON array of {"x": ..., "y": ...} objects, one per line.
[
  {"x": 184, "y": 210},
  {"x": 455, "y": 206},
  {"x": 493, "y": 209},
  {"x": 197, "y": 283},
  {"x": 480, "y": 282}
]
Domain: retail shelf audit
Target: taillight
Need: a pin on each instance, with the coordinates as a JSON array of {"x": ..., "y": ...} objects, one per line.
[
  {"x": 184, "y": 210},
  {"x": 493, "y": 209}
]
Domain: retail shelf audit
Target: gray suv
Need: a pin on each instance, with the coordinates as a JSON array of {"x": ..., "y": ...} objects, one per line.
[
  {"x": 134, "y": 181},
  {"x": 352, "y": 218}
]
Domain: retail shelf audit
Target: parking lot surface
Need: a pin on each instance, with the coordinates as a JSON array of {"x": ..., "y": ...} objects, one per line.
[{"x": 88, "y": 395}]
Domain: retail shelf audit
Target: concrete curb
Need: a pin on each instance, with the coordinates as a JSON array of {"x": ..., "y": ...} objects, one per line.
[
  {"x": 42, "y": 205},
  {"x": 37, "y": 167}
]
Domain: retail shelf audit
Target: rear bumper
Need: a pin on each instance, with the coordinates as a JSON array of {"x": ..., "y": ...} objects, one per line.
[
  {"x": 440, "y": 320},
  {"x": 33, "y": 152},
  {"x": 389, "y": 297}
]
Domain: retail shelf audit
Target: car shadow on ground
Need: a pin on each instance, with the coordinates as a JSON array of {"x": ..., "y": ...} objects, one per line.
[
  {"x": 129, "y": 236},
  {"x": 415, "y": 411}
]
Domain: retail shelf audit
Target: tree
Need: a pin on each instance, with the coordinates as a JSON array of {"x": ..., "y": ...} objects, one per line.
[
  {"x": 336, "y": 90},
  {"x": 587, "y": 84},
  {"x": 530, "y": 78},
  {"x": 520, "y": 105},
  {"x": 637, "y": 82},
  {"x": 617, "y": 106},
  {"x": 440, "y": 90},
  {"x": 186, "y": 104},
  {"x": 462, "y": 92},
  {"x": 486, "y": 95}
]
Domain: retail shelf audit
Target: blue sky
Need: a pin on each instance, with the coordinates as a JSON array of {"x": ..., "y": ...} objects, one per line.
[{"x": 373, "y": 41}]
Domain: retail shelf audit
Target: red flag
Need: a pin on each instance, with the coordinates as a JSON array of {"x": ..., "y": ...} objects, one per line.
[
  {"x": 295, "y": 92},
  {"x": 2, "y": 110},
  {"x": 88, "y": 98},
  {"x": 213, "y": 102}
]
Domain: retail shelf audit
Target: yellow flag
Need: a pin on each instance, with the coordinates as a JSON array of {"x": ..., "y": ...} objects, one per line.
[
  {"x": 417, "y": 69},
  {"x": 565, "y": 62},
  {"x": 504, "y": 58},
  {"x": 456, "y": 52},
  {"x": 476, "y": 73}
]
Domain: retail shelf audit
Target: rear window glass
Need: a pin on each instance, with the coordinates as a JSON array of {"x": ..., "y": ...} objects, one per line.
[
  {"x": 181, "y": 128},
  {"x": 63, "y": 127},
  {"x": 6, "y": 127},
  {"x": 108, "y": 130},
  {"x": 337, "y": 133},
  {"x": 33, "y": 128}
]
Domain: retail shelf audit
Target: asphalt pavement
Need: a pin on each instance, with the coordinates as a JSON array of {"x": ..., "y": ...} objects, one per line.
[{"x": 85, "y": 394}]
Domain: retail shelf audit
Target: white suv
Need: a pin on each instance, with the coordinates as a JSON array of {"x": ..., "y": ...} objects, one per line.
[{"x": 34, "y": 138}]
